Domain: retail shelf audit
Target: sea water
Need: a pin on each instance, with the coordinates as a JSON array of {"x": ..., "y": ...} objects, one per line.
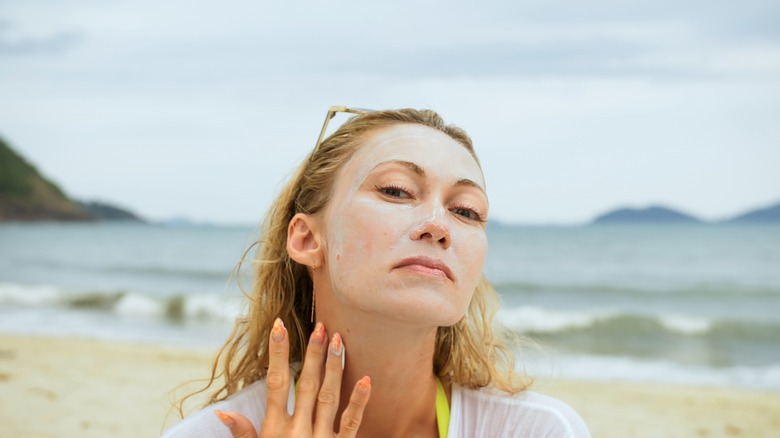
[
  {"x": 693, "y": 304},
  {"x": 697, "y": 304}
]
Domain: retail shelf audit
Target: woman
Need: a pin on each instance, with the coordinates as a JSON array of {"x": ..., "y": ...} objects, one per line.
[{"x": 380, "y": 239}]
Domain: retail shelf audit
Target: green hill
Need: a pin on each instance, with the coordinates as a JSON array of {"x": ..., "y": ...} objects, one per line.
[{"x": 26, "y": 195}]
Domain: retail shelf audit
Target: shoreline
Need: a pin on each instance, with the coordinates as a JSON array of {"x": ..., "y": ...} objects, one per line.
[{"x": 59, "y": 386}]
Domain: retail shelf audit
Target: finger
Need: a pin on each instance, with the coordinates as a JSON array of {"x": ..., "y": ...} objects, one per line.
[
  {"x": 277, "y": 381},
  {"x": 353, "y": 415},
  {"x": 309, "y": 381},
  {"x": 328, "y": 397},
  {"x": 239, "y": 425}
]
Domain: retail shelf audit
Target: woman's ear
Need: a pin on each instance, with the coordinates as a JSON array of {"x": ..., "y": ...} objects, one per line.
[{"x": 303, "y": 240}]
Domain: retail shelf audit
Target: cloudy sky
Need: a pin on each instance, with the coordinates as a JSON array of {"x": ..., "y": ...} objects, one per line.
[{"x": 202, "y": 108}]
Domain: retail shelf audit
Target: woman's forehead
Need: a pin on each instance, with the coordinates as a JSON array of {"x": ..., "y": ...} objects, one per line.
[{"x": 433, "y": 151}]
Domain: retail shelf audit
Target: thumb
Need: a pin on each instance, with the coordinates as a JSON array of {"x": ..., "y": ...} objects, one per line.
[{"x": 239, "y": 425}]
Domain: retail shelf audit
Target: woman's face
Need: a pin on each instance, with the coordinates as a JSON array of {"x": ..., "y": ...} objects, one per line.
[{"x": 405, "y": 228}]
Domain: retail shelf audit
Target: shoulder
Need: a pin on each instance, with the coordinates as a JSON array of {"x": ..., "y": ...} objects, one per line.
[
  {"x": 249, "y": 401},
  {"x": 487, "y": 412}
]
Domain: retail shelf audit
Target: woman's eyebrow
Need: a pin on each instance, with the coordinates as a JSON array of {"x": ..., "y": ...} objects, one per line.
[
  {"x": 469, "y": 183},
  {"x": 408, "y": 164},
  {"x": 421, "y": 172}
]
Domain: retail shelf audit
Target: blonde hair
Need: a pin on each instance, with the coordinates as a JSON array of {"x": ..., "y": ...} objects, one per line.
[{"x": 469, "y": 353}]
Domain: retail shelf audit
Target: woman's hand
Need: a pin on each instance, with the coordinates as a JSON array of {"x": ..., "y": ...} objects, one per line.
[{"x": 316, "y": 403}]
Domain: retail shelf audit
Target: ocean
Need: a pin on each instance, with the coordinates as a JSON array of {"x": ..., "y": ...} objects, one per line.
[{"x": 694, "y": 304}]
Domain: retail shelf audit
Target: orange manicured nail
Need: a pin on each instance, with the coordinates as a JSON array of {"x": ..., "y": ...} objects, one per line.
[
  {"x": 318, "y": 335},
  {"x": 337, "y": 349},
  {"x": 277, "y": 332},
  {"x": 336, "y": 346},
  {"x": 225, "y": 419},
  {"x": 364, "y": 384}
]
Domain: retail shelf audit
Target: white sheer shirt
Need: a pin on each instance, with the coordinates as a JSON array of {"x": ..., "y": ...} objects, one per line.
[{"x": 473, "y": 414}]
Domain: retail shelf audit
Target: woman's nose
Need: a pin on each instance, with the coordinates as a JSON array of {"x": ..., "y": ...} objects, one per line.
[{"x": 434, "y": 229}]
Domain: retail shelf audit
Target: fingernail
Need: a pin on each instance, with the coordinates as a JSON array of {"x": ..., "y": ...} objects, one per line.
[
  {"x": 337, "y": 348},
  {"x": 318, "y": 335},
  {"x": 277, "y": 332},
  {"x": 364, "y": 384},
  {"x": 225, "y": 419}
]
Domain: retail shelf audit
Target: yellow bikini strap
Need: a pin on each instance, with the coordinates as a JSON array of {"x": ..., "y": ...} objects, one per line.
[{"x": 442, "y": 409}]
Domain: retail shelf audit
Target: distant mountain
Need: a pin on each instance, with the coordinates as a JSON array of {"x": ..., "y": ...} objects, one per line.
[
  {"x": 653, "y": 214},
  {"x": 26, "y": 195},
  {"x": 763, "y": 215}
]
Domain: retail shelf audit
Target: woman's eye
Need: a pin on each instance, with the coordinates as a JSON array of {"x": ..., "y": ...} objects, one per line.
[
  {"x": 467, "y": 213},
  {"x": 394, "y": 192},
  {"x": 397, "y": 193}
]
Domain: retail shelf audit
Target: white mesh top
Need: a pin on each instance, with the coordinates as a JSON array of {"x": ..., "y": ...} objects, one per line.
[{"x": 473, "y": 414}]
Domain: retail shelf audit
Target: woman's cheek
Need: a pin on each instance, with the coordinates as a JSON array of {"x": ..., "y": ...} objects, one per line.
[
  {"x": 473, "y": 253},
  {"x": 351, "y": 251}
]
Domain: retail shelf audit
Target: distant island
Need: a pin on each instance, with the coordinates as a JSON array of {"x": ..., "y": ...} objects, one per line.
[
  {"x": 664, "y": 215},
  {"x": 768, "y": 214},
  {"x": 26, "y": 195},
  {"x": 653, "y": 214}
]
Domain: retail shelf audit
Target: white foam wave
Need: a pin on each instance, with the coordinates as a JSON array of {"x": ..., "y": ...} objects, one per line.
[
  {"x": 29, "y": 295},
  {"x": 529, "y": 319},
  {"x": 199, "y": 306},
  {"x": 686, "y": 325},
  {"x": 212, "y": 307},
  {"x": 202, "y": 307},
  {"x": 135, "y": 304},
  {"x": 539, "y": 320}
]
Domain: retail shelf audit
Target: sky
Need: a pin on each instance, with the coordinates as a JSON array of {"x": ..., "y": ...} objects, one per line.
[{"x": 202, "y": 109}]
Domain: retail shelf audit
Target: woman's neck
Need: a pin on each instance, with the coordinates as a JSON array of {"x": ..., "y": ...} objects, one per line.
[{"x": 399, "y": 361}]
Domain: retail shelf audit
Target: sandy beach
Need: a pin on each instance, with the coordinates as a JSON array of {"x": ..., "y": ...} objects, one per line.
[{"x": 64, "y": 387}]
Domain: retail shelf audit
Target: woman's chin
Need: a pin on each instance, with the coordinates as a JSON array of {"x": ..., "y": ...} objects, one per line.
[{"x": 423, "y": 308}]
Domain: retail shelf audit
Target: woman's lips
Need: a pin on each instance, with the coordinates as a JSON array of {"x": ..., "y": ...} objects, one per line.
[{"x": 426, "y": 265}]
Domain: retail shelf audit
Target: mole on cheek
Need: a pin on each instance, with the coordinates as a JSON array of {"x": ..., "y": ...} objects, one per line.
[{"x": 338, "y": 257}]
